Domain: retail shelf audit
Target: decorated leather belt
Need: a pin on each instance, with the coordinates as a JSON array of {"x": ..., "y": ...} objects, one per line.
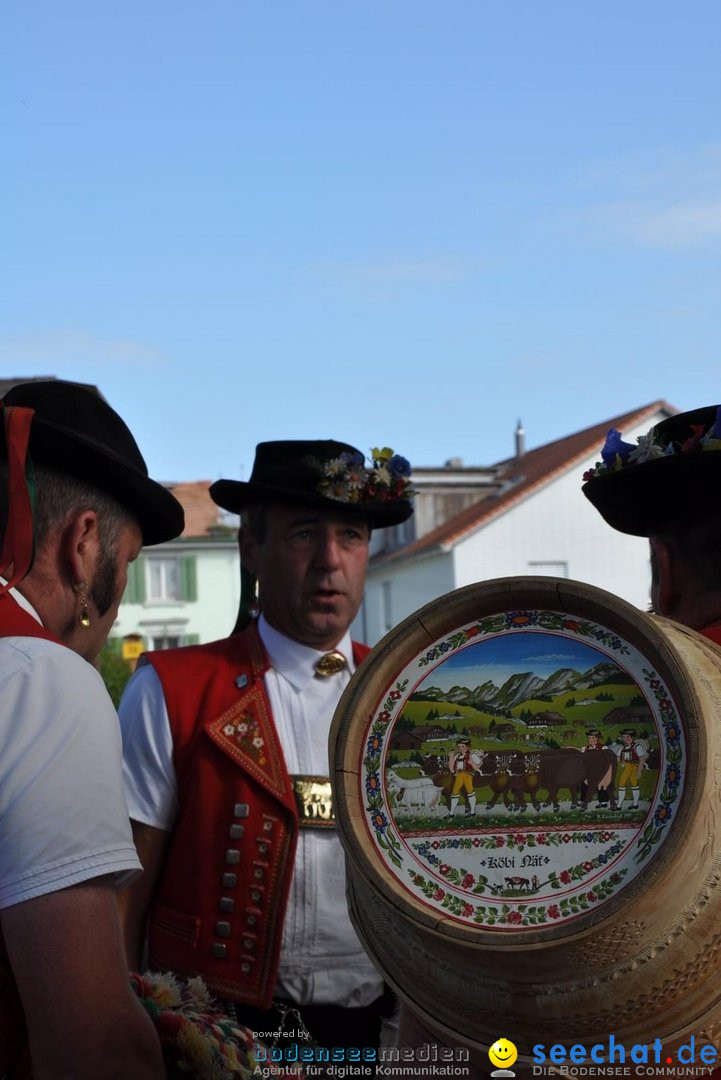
[{"x": 314, "y": 801}]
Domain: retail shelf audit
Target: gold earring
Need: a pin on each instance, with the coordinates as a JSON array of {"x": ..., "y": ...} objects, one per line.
[{"x": 84, "y": 618}]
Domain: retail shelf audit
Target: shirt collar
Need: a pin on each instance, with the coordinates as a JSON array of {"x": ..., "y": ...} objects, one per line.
[{"x": 296, "y": 662}]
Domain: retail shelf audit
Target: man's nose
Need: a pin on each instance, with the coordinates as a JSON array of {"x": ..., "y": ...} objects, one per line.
[{"x": 327, "y": 554}]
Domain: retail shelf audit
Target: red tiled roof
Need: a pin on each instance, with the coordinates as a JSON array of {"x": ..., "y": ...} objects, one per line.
[
  {"x": 201, "y": 513},
  {"x": 523, "y": 476}
]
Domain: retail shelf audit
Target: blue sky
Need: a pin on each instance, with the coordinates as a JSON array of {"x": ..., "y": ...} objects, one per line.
[{"x": 403, "y": 223}]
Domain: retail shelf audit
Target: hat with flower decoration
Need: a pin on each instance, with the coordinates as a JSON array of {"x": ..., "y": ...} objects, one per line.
[
  {"x": 325, "y": 474},
  {"x": 673, "y": 474}
]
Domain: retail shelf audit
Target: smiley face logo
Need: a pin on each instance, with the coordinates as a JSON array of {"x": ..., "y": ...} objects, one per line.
[{"x": 503, "y": 1053}]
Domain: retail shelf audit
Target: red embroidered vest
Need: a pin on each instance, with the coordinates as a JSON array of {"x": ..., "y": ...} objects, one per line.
[
  {"x": 14, "y": 1050},
  {"x": 221, "y": 903}
]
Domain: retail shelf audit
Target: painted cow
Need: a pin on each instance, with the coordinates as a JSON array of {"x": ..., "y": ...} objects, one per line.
[{"x": 569, "y": 768}]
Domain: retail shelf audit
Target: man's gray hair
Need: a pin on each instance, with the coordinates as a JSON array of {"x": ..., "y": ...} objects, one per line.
[
  {"x": 57, "y": 494},
  {"x": 255, "y": 519}
]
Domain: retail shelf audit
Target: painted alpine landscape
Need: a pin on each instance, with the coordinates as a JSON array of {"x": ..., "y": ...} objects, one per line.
[
  {"x": 522, "y": 726},
  {"x": 523, "y": 769}
]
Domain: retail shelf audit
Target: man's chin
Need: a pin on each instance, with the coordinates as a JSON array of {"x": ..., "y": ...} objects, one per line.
[
  {"x": 328, "y": 623},
  {"x": 333, "y": 609}
]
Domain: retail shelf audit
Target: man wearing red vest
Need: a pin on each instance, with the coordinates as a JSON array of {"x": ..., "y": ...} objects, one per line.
[
  {"x": 75, "y": 505},
  {"x": 227, "y": 763}
]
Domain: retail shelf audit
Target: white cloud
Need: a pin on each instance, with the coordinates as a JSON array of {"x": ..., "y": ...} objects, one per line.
[
  {"x": 675, "y": 225},
  {"x": 667, "y": 199},
  {"x": 51, "y": 350},
  {"x": 682, "y": 225},
  {"x": 667, "y": 172},
  {"x": 554, "y": 656}
]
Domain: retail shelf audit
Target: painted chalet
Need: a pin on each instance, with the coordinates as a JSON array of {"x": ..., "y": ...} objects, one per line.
[{"x": 520, "y": 517}]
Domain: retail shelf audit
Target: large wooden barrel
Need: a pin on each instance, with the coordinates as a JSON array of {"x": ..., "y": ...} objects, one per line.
[{"x": 511, "y": 872}]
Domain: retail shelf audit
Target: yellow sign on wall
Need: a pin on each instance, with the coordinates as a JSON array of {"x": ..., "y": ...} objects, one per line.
[{"x": 132, "y": 650}]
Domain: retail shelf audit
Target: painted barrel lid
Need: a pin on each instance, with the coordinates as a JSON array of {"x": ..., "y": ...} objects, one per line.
[{"x": 520, "y": 776}]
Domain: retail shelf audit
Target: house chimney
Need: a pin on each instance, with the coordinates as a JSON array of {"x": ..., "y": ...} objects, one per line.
[{"x": 520, "y": 440}]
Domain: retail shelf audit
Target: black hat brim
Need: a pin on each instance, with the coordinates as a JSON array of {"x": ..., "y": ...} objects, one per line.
[{"x": 236, "y": 495}]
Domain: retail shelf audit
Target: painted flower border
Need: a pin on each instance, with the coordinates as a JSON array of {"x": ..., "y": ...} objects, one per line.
[
  {"x": 478, "y": 885},
  {"x": 673, "y": 763},
  {"x": 520, "y": 841},
  {"x": 486, "y": 915},
  {"x": 379, "y": 817}
]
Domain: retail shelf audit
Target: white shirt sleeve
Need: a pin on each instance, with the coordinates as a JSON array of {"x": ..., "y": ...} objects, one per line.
[
  {"x": 151, "y": 785},
  {"x": 63, "y": 816}
]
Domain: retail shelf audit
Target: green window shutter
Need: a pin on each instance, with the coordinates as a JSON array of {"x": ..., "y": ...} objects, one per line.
[
  {"x": 191, "y": 639},
  {"x": 135, "y": 589},
  {"x": 188, "y": 578}
]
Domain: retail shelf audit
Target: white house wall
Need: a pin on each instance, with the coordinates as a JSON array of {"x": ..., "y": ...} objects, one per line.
[
  {"x": 557, "y": 532},
  {"x": 555, "y": 526},
  {"x": 409, "y": 585},
  {"x": 558, "y": 525},
  {"x": 211, "y": 616}
]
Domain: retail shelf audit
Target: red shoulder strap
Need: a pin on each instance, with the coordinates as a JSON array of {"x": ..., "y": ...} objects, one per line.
[
  {"x": 17, "y": 548},
  {"x": 16, "y": 622}
]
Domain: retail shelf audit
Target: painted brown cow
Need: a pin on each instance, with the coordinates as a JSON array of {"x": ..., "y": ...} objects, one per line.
[{"x": 569, "y": 768}]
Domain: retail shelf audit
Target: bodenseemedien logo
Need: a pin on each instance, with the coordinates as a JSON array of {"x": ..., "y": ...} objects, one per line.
[{"x": 502, "y": 1054}]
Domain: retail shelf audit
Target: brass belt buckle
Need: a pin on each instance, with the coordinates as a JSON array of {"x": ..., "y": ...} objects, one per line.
[{"x": 314, "y": 801}]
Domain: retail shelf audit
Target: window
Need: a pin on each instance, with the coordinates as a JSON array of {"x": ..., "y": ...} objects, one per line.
[
  {"x": 553, "y": 569},
  {"x": 162, "y": 578},
  {"x": 166, "y": 641},
  {"x": 168, "y": 634}
]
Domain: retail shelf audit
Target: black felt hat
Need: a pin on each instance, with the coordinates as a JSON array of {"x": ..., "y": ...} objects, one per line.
[
  {"x": 673, "y": 475},
  {"x": 76, "y": 432},
  {"x": 326, "y": 474}
]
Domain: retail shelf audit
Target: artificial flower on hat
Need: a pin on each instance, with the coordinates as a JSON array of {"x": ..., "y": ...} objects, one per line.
[{"x": 672, "y": 473}]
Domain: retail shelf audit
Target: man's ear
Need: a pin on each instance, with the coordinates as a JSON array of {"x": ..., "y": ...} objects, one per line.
[
  {"x": 666, "y": 586},
  {"x": 248, "y": 549},
  {"x": 79, "y": 544}
]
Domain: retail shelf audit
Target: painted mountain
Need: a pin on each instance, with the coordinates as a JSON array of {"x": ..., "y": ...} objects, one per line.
[{"x": 524, "y": 686}]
